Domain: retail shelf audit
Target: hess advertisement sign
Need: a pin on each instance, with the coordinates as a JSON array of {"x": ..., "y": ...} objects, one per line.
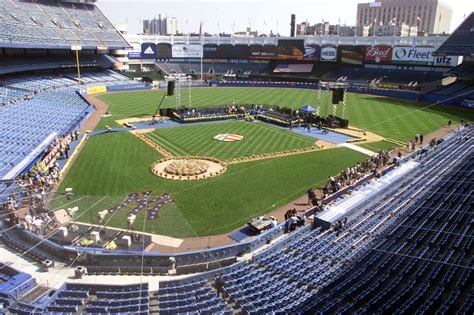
[
  {"x": 413, "y": 55},
  {"x": 378, "y": 54},
  {"x": 329, "y": 53}
]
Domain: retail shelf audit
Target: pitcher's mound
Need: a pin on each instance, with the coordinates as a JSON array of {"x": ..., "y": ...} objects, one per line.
[{"x": 188, "y": 168}]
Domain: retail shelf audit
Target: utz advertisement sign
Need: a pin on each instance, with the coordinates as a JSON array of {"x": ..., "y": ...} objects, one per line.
[
  {"x": 148, "y": 51},
  {"x": 446, "y": 61},
  {"x": 329, "y": 53},
  {"x": 312, "y": 52},
  {"x": 186, "y": 51},
  {"x": 413, "y": 55},
  {"x": 378, "y": 54}
]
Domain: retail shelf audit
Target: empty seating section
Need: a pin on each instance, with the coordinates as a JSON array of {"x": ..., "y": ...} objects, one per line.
[
  {"x": 464, "y": 89},
  {"x": 100, "y": 299},
  {"x": 49, "y": 22},
  {"x": 194, "y": 296},
  {"x": 27, "y": 123},
  {"x": 216, "y": 68},
  {"x": 464, "y": 71},
  {"x": 19, "y": 64},
  {"x": 39, "y": 106},
  {"x": 395, "y": 76},
  {"x": 424, "y": 262},
  {"x": 14, "y": 283}
]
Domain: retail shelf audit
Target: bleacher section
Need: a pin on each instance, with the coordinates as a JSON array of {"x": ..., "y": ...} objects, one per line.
[
  {"x": 464, "y": 89},
  {"x": 20, "y": 64},
  {"x": 37, "y": 110},
  {"x": 423, "y": 264},
  {"x": 461, "y": 41},
  {"x": 463, "y": 71},
  {"x": 53, "y": 24},
  {"x": 392, "y": 76},
  {"x": 211, "y": 68},
  {"x": 194, "y": 296}
]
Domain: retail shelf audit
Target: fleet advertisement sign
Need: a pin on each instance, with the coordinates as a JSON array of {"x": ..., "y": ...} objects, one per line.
[
  {"x": 312, "y": 52},
  {"x": 413, "y": 55},
  {"x": 378, "y": 54},
  {"x": 148, "y": 51},
  {"x": 186, "y": 51},
  {"x": 329, "y": 53}
]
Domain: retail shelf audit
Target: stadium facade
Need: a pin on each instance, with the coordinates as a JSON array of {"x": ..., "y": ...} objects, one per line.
[{"x": 431, "y": 16}]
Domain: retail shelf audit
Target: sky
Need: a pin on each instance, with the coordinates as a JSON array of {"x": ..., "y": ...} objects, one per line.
[{"x": 262, "y": 15}]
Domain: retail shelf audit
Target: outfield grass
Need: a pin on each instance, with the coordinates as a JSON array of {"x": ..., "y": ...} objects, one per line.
[
  {"x": 198, "y": 140},
  {"x": 117, "y": 164},
  {"x": 392, "y": 118}
]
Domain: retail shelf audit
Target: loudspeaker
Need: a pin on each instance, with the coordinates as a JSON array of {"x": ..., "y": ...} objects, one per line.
[
  {"x": 337, "y": 95},
  {"x": 170, "y": 90}
]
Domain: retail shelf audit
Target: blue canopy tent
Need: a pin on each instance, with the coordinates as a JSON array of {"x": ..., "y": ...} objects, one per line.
[{"x": 307, "y": 109}]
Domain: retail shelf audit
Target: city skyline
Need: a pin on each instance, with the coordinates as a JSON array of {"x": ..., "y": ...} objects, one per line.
[{"x": 231, "y": 16}]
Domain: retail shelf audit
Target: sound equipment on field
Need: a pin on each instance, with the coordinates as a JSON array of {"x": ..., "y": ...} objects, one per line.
[{"x": 170, "y": 89}]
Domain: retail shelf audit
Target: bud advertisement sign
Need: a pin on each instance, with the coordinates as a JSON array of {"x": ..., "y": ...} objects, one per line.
[
  {"x": 378, "y": 54},
  {"x": 148, "y": 50},
  {"x": 329, "y": 53},
  {"x": 413, "y": 55},
  {"x": 186, "y": 51}
]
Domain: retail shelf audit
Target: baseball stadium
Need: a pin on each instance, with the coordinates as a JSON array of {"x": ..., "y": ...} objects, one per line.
[{"x": 231, "y": 175}]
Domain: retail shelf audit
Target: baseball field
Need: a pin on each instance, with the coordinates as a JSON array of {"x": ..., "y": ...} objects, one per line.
[{"x": 112, "y": 165}]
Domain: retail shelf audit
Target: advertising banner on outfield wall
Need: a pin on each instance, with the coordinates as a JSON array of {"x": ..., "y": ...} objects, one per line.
[
  {"x": 446, "y": 61},
  {"x": 352, "y": 55},
  {"x": 329, "y": 54},
  {"x": 312, "y": 52},
  {"x": 263, "y": 52},
  {"x": 413, "y": 55},
  {"x": 134, "y": 55},
  {"x": 186, "y": 51},
  {"x": 290, "y": 49},
  {"x": 97, "y": 89},
  {"x": 148, "y": 50},
  {"x": 163, "y": 51},
  {"x": 378, "y": 54},
  {"x": 210, "y": 51}
]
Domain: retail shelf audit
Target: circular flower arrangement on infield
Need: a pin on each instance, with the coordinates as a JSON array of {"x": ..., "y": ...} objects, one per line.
[{"x": 188, "y": 168}]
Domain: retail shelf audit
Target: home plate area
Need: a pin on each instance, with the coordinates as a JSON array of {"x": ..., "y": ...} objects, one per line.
[{"x": 143, "y": 201}]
